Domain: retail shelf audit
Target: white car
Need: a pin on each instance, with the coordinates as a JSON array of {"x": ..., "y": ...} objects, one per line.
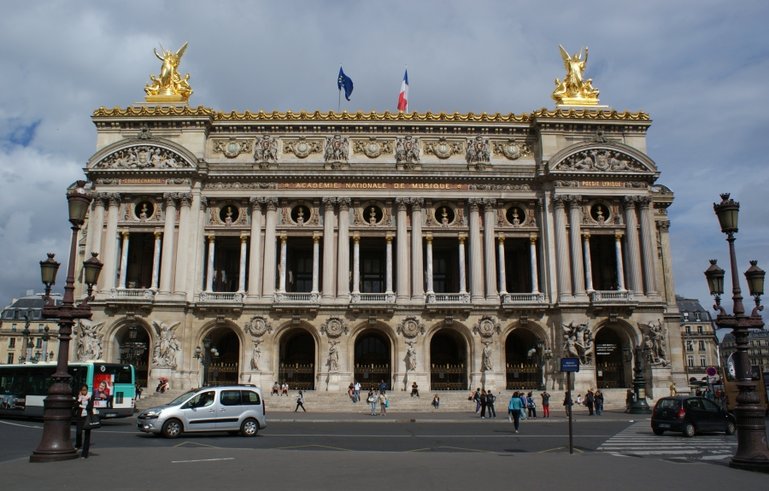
[{"x": 232, "y": 408}]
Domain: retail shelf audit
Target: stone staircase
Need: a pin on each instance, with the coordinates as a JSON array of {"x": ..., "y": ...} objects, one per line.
[{"x": 400, "y": 401}]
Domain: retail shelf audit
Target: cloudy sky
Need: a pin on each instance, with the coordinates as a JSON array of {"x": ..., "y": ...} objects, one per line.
[{"x": 700, "y": 68}]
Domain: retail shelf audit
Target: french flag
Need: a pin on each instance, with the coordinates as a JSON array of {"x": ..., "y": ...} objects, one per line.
[{"x": 403, "y": 97}]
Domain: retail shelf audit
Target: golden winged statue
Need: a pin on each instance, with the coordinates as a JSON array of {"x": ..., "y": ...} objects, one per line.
[
  {"x": 169, "y": 86},
  {"x": 574, "y": 89}
]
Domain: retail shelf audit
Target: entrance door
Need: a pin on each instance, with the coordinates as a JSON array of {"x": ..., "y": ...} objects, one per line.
[
  {"x": 524, "y": 363},
  {"x": 133, "y": 346},
  {"x": 448, "y": 361},
  {"x": 610, "y": 365},
  {"x": 297, "y": 360},
  {"x": 372, "y": 360},
  {"x": 223, "y": 361}
]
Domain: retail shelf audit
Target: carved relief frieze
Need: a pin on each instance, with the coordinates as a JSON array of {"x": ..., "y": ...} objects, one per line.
[
  {"x": 407, "y": 153},
  {"x": 266, "y": 151},
  {"x": 302, "y": 147},
  {"x": 372, "y": 147},
  {"x": 232, "y": 147},
  {"x": 337, "y": 150},
  {"x": 512, "y": 149},
  {"x": 143, "y": 157},
  {"x": 601, "y": 160},
  {"x": 444, "y": 148},
  {"x": 478, "y": 151}
]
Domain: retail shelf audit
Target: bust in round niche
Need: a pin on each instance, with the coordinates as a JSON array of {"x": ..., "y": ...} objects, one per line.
[{"x": 229, "y": 213}]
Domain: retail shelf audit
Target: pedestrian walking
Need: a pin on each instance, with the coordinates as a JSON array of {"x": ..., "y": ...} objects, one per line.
[
  {"x": 436, "y": 401},
  {"x": 490, "y": 398},
  {"x": 567, "y": 403},
  {"x": 372, "y": 400},
  {"x": 531, "y": 405},
  {"x": 383, "y": 403},
  {"x": 598, "y": 401},
  {"x": 300, "y": 402},
  {"x": 477, "y": 398},
  {"x": 484, "y": 402},
  {"x": 357, "y": 391},
  {"x": 84, "y": 411},
  {"x": 514, "y": 410},
  {"x": 589, "y": 401},
  {"x": 545, "y": 404}
]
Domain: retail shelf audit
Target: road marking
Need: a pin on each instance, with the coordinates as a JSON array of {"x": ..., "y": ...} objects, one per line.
[
  {"x": 201, "y": 460},
  {"x": 20, "y": 425}
]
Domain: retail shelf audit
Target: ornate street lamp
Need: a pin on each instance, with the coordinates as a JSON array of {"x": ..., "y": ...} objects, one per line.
[
  {"x": 639, "y": 404},
  {"x": 26, "y": 355},
  {"x": 752, "y": 452},
  {"x": 56, "y": 443},
  {"x": 46, "y": 337}
]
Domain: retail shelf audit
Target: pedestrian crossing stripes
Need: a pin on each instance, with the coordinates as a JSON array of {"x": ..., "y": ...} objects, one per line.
[{"x": 638, "y": 440}]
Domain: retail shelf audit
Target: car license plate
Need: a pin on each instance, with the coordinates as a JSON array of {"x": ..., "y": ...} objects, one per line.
[{"x": 664, "y": 425}]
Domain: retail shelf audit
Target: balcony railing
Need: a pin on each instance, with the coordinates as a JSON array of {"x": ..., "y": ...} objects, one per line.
[
  {"x": 448, "y": 298},
  {"x": 611, "y": 296},
  {"x": 132, "y": 293},
  {"x": 373, "y": 298},
  {"x": 296, "y": 297},
  {"x": 221, "y": 297},
  {"x": 522, "y": 298}
]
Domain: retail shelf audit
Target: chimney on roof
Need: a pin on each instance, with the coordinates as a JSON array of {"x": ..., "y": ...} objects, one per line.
[{"x": 30, "y": 293}]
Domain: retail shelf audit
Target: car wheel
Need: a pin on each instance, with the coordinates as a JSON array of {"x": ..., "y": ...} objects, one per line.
[
  {"x": 688, "y": 430},
  {"x": 730, "y": 428},
  {"x": 658, "y": 431},
  {"x": 249, "y": 427},
  {"x": 172, "y": 428}
]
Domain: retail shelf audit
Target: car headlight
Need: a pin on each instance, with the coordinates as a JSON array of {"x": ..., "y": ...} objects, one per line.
[{"x": 151, "y": 413}]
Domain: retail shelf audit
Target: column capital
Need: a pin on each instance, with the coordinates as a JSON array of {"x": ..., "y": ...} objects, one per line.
[
  {"x": 644, "y": 201},
  {"x": 574, "y": 200},
  {"x": 316, "y": 237},
  {"x": 402, "y": 203},
  {"x": 124, "y": 233},
  {"x": 283, "y": 237},
  {"x": 389, "y": 236},
  {"x": 244, "y": 237},
  {"x": 474, "y": 203},
  {"x": 211, "y": 237},
  {"x": 664, "y": 225},
  {"x": 356, "y": 236},
  {"x": 114, "y": 199},
  {"x": 630, "y": 201},
  {"x": 185, "y": 199},
  {"x": 428, "y": 236},
  {"x": 416, "y": 203},
  {"x": 533, "y": 238},
  {"x": 618, "y": 235},
  {"x": 501, "y": 237},
  {"x": 256, "y": 202},
  {"x": 271, "y": 203},
  {"x": 157, "y": 233},
  {"x": 170, "y": 198},
  {"x": 462, "y": 238},
  {"x": 489, "y": 204},
  {"x": 559, "y": 200},
  {"x": 328, "y": 203},
  {"x": 344, "y": 203},
  {"x": 586, "y": 234}
]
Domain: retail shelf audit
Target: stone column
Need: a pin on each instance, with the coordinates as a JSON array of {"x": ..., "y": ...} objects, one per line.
[
  {"x": 588, "y": 261},
  {"x": 186, "y": 226},
  {"x": 562, "y": 251},
  {"x": 210, "y": 264},
  {"x": 620, "y": 264},
  {"x": 328, "y": 248},
  {"x": 534, "y": 263},
  {"x": 429, "y": 261},
  {"x": 489, "y": 221},
  {"x": 343, "y": 267},
  {"x": 356, "y": 264},
  {"x": 282, "y": 265},
  {"x": 417, "y": 264},
  {"x": 501, "y": 259},
  {"x": 402, "y": 250},
  {"x": 389, "y": 264},
  {"x": 242, "y": 269},
  {"x": 156, "y": 259},
  {"x": 109, "y": 270},
  {"x": 575, "y": 227},
  {"x": 96, "y": 226},
  {"x": 270, "y": 254},
  {"x": 476, "y": 259},
  {"x": 649, "y": 246},
  {"x": 124, "y": 258},
  {"x": 631, "y": 243},
  {"x": 315, "y": 261},
  {"x": 462, "y": 270},
  {"x": 197, "y": 246},
  {"x": 255, "y": 254},
  {"x": 167, "y": 258}
]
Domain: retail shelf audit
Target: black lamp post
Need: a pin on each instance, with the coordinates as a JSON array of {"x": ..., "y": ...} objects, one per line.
[
  {"x": 46, "y": 337},
  {"x": 26, "y": 355},
  {"x": 56, "y": 443},
  {"x": 752, "y": 452},
  {"x": 206, "y": 356},
  {"x": 639, "y": 404}
]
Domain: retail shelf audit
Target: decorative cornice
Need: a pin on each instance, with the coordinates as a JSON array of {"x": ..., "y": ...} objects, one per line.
[{"x": 201, "y": 111}]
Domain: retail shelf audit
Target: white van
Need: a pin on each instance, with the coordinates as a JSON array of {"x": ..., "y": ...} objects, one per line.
[{"x": 231, "y": 408}]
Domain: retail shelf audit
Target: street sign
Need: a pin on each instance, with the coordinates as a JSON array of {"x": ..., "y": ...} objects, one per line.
[
  {"x": 711, "y": 371},
  {"x": 570, "y": 364}
]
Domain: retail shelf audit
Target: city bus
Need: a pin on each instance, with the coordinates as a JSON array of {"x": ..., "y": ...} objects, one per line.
[
  {"x": 24, "y": 387},
  {"x": 761, "y": 379}
]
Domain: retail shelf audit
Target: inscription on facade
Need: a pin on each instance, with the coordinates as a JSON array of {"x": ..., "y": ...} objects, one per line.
[{"x": 374, "y": 185}]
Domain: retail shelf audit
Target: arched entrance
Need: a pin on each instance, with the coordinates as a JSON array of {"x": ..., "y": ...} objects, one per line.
[
  {"x": 220, "y": 357},
  {"x": 297, "y": 360},
  {"x": 133, "y": 348},
  {"x": 372, "y": 359},
  {"x": 612, "y": 359},
  {"x": 448, "y": 361},
  {"x": 524, "y": 361}
]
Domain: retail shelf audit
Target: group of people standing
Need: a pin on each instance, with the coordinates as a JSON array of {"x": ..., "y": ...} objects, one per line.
[
  {"x": 484, "y": 402},
  {"x": 593, "y": 401}
]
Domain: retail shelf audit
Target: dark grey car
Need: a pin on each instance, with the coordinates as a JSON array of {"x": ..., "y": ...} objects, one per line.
[{"x": 690, "y": 415}]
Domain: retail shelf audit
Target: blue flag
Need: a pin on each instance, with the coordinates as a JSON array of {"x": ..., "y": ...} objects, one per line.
[{"x": 344, "y": 82}]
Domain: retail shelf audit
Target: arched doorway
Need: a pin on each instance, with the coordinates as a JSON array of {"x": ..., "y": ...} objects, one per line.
[
  {"x": 372, "y": 359},
  {"x": 220, "y": 357},
  {"x": 297, "y": 360},
  {"x": 133, "y": 348},
  {"x": 612, "y": 359},
  {"x": 524, "y": 361},
  {"x": 448, "y": 361}
]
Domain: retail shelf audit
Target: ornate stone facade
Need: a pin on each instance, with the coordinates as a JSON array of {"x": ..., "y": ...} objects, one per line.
[{"x": 445, "y": 249}]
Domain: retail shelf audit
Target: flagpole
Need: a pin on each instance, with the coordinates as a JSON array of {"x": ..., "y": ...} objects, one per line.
[{"x": 339, "y": 103}]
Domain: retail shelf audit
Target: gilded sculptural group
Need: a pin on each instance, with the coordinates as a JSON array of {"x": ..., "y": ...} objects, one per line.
[{"x": 169, "y": 85}]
